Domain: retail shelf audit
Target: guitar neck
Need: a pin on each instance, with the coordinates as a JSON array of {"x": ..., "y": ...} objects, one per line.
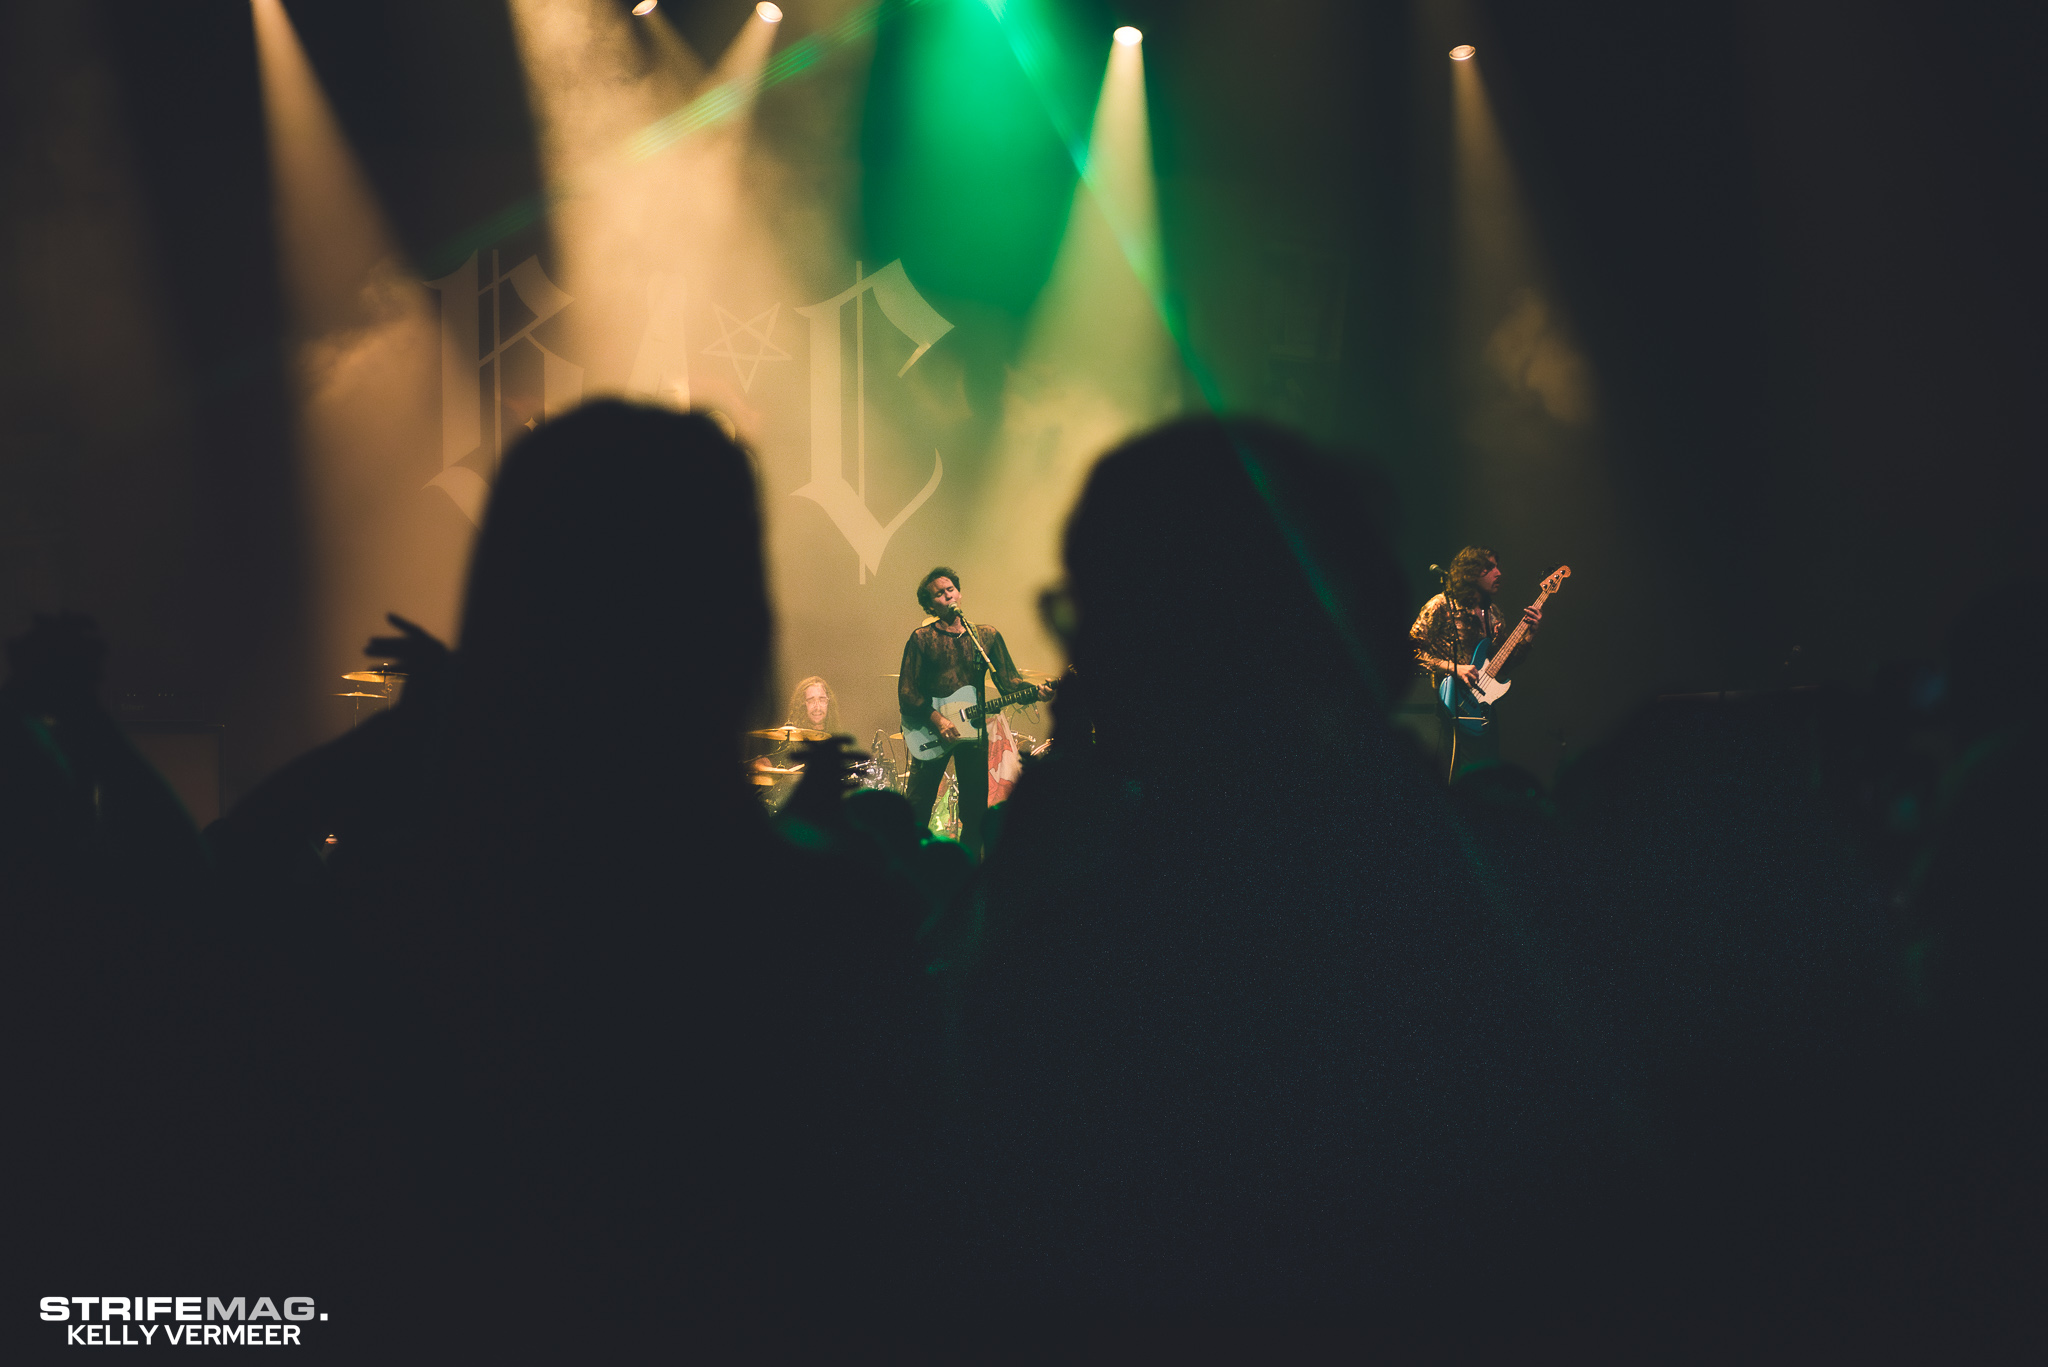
[
  {"x": 1514, "y": 639},
  {"x": 976, "y": 713}
]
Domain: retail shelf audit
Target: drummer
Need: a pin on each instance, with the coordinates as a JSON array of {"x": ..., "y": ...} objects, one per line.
[
  {"x": 813, "y": 704},
  {"x": 813, "y": 713}
]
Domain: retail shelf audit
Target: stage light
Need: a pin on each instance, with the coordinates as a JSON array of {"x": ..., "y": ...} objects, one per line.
[
  {"x": 361, "y": 360},
  {"x": 1098, "y": 360},
  {"x": 770, "y": 13},
  {"x": 1463, "y": 52},
  {"x": 645, "y": 6}
]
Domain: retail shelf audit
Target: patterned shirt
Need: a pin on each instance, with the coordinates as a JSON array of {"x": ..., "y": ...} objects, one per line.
[
  {"x": 937, "y": 662},
  {"x": 1444, "y": 635}
]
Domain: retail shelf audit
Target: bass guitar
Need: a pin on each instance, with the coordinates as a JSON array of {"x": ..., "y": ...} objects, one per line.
[
  {"x": 962, "y": 708},
  {"x": 1472, "y": 708}
]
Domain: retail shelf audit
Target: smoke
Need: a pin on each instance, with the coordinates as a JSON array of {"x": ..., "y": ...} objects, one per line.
[
  {"x": 368, "y": 417},
  {"x": 364, "y": 341},
  {"x": 689, "y": 243},
  {"x": 707, "y": 229},
  {"x": 648, "y": 234},
  {"x": 1530, "y": 351},
  {"x": 1098, "y": 364}
]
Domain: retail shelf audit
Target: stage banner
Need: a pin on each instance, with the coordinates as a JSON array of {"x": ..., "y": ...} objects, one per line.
[{"x": 848, "y": 399}]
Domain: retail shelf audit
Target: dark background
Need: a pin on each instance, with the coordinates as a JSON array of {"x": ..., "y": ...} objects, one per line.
[{"x": 1798, "y": 240}]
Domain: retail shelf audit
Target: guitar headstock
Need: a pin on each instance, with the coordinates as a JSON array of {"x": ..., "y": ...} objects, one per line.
[{"x": 1556, "y": 577}]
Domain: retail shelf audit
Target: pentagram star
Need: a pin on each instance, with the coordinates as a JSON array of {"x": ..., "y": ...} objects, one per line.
[{"x": 749, "y": 342}]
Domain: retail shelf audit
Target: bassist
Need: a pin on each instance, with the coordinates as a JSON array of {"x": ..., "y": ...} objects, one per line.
[
  {"x": 1447, "y": 629},
  {"x": 940, "y": 657}
]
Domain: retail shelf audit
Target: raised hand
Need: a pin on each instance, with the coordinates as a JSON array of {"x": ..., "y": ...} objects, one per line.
[
  {"x": 828, "y": 776},
  {"x": 418, "y": 654},
  {"x": 418, "y": 651}
]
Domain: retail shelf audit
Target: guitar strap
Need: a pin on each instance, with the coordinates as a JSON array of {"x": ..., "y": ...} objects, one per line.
[{"x": 984, "y": 653}]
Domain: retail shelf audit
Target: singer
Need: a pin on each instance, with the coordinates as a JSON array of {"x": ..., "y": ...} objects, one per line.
[{"x": 942, "y": 656}]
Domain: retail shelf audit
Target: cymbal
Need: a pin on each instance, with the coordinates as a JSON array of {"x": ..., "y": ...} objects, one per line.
[
  {"x": 375, "y": 676},
  {"x": 790, "y": 733},
  {"x": 769, "y": 769},
  {"x": 380, "y": 696}
]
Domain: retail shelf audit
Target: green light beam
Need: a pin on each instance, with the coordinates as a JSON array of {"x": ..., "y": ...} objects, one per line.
[{"x": 1143, "y": 258}]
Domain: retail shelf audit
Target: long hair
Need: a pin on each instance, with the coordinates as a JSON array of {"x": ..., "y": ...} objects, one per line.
[
  {"x": 1466, "y": 571},
  {"x": 622, "y": 544},
  {"x": 799, "y": 715}
]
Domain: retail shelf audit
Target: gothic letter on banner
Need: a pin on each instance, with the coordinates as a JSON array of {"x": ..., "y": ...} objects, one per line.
[
  {"x": 459, "y": 362},
  {"x": 828, "y": 488},
  {"x": 461, "y": 378}
]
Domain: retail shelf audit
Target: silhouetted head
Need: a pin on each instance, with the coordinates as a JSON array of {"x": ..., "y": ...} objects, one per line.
[
  {"x": 887, "y": 819},
  {"x": 617, "y": 619},
  {"x": 1232, "y": 559}
]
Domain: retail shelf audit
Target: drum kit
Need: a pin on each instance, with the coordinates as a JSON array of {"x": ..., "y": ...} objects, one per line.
[
  {"x": 775, "y": 774},
  {"x": 388, "y": 681}
]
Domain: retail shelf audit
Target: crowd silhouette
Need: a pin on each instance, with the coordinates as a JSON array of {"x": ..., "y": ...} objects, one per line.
[{"x": 515, "y": 1028}]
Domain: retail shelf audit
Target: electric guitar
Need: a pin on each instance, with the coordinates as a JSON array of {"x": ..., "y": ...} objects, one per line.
[
  {"x": 1472, "y": 708},
  {"x": 960, "y": 708}
]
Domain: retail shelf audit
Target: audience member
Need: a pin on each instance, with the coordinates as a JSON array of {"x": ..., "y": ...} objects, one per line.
[
  {"x": 660, "y": 1015},
  {"x": 83, "y": 810},
  {"x": 518, "y": 1003},
  {"x": 1230, "y": 1053},
  {"x": 125, "y": 1047},
  {"x": 639, "y": 1026}
]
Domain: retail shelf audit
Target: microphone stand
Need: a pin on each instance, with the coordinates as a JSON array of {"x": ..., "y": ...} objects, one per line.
[{"x": 969, "y": 628}]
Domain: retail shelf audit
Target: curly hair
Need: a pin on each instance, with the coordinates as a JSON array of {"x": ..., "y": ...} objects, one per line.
[
  {"x": 924, "y": 597},
  {"x": 1466, "y": 571}
]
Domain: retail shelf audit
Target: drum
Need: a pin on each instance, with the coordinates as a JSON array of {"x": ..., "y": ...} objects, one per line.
[
  {"x": 877, "y": 773},
  {"x": 771, "y": 782}
]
